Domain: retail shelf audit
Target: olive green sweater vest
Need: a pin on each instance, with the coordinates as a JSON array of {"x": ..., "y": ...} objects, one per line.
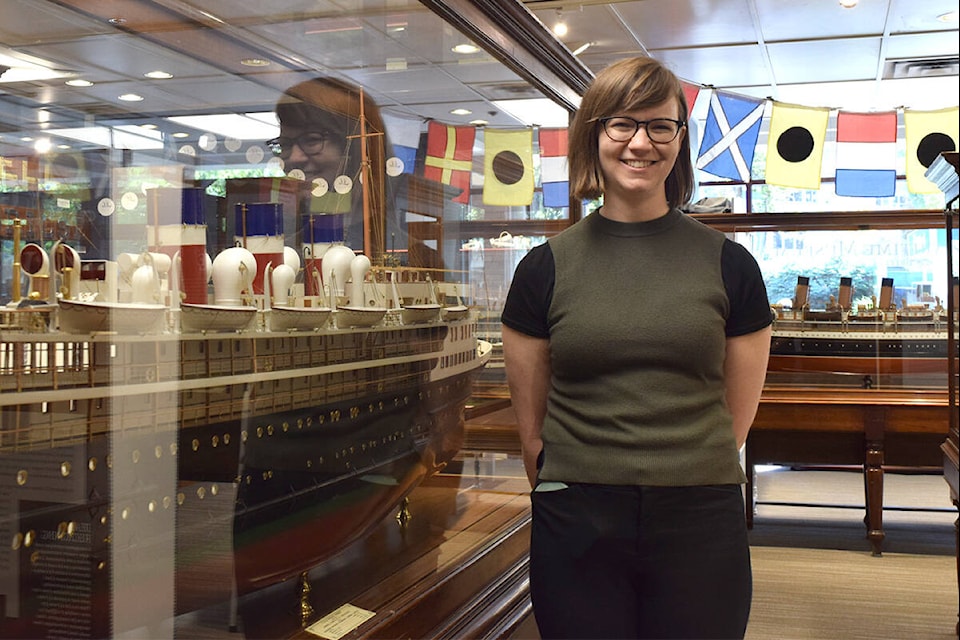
[{"x": 637, "y": 349}]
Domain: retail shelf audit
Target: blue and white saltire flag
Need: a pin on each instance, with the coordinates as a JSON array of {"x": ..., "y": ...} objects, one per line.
[{"x": 730, "y": 135}]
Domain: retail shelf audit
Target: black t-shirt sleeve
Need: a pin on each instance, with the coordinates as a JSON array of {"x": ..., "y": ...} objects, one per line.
[
  {"x": 530, "y": 294},
  {"x": 749, "y": 306}
]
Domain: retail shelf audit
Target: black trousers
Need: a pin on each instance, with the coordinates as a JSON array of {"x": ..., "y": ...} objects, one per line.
[{"x": 639, "y": 562}]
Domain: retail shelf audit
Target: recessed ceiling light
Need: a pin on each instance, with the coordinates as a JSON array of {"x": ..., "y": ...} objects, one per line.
[
  {"x": 130, "y": 97},
  {"x": 148, "y": 126},
  {"x": 479, "y": 123},
  {"x": 848, "y": 4},
  {"x": 79, "y": 82},
  {"x": 254, "y": 62},
  {"x": 466, "y": 48},
  {"x": 181, "y": 134},
  {"x": 158, "y": 75},
  {"x": 461, "y": 112},
  {"x": 43, "y": 145},
  {"x": 63, "y": 147}
]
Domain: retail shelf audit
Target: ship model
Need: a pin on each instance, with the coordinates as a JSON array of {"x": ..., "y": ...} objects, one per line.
[
  {"x": 149, "y": 428},
  {"x": 880, "y": 338}
]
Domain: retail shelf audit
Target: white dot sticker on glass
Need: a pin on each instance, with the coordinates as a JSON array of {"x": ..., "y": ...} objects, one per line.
[
  {"x": 207, "y": 142},
  {"x": 255, "y": 155},
  {"x": 129, "y": 201},
  {"x": 394, "y": 166},
  {"x": 106, "y": 207},
  {"x": 320, "y": 187},
  {"x": 342, "y": 184}
]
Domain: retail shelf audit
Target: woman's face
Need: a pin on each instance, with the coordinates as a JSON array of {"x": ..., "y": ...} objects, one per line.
[
  {"x": 307, "y": 154},
  {"x": 636, "y": 169}
]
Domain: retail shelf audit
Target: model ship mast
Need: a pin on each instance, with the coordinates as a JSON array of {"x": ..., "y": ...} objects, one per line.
[{"x": 373, "y": 234}]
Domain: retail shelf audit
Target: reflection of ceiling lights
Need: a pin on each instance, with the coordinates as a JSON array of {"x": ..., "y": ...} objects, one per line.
[
  {"x": 582, "y": 48},
  {"x": 79, "y": 82},
  {"x": 560, "y": 27},
  {"x": 848, "y": 4},
  {"x": 542, "y": 112},
  {"x": 466, "y": 49},
  {"x": 950, "y": 16},
  {"x": 130, "y": 97},
  {"x": 255, "y": 62},
  {"x": 230, "y": 125},
  {"x": 461, "y": 112},
  {"x": 158, "y": 75},
  {"x": 122, "y": 137},
  {"x": 23, "y": 68}
]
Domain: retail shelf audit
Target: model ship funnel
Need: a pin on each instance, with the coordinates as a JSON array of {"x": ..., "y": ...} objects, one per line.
[
  {"x": 233, "y": 271},
  {"x": 35, "y": 262}
]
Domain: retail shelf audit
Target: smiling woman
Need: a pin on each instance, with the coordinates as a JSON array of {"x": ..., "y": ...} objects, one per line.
[{"x": 597, "y": 373}]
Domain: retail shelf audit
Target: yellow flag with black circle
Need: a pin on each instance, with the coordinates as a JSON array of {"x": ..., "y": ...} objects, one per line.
[
  {"x": 795, "y": 145},
  {"x": 508, "y": 167},
  {"x": 928, "y": 134}
]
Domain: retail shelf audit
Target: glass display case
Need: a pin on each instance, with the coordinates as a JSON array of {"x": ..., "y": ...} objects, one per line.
[{"x": 244, "y": 300}]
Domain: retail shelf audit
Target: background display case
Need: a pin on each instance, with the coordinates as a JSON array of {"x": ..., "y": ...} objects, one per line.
[{"x": 859, "y": 366}]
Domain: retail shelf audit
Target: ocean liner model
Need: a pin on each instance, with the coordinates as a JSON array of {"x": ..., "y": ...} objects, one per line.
[
  {"x": 148, "y": 431},
  {"x": 878, "y": 339}
]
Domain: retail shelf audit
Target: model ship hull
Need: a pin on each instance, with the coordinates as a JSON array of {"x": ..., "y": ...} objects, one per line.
[
  {"x": 285, "y": 447},
  {"x": 874, "y": 348}
]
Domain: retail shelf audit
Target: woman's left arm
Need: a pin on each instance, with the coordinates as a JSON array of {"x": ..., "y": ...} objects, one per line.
[{"x": 745, "y": 369}]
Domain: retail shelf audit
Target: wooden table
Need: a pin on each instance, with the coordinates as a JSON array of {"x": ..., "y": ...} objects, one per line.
[{"x": 872, "y": 428}]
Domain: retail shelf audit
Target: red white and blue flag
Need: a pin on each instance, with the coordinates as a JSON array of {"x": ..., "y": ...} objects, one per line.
[
  {"x": 866, "y": 154},
  {"x": 554, "y": 177}
]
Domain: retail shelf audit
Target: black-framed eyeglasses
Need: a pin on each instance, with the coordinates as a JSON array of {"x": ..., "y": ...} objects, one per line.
[
  {"x": 623, "y": 128},
  {"x": 310, "y": 142}
]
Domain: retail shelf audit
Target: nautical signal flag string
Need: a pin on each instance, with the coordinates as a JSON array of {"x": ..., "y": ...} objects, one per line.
[{"x": 866, "y": 150}]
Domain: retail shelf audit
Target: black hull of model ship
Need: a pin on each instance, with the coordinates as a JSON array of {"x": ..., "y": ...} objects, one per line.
[
  {"x": 311, "y": 484},
  {"x": 291, "y": 510},
  {"x": 861, "y": 353}
]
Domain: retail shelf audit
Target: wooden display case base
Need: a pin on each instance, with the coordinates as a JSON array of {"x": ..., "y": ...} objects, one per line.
[{"x": 451, "y": 564}]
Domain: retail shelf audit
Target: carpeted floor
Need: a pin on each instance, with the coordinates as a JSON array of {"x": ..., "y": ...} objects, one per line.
[{"x": 816, "y": 578}]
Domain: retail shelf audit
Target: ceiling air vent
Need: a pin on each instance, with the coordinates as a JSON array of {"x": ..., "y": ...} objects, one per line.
[{"x": 921, "y": 67}]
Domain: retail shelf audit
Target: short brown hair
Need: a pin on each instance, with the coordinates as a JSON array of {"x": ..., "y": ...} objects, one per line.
[{"x": 627, "y": 85}]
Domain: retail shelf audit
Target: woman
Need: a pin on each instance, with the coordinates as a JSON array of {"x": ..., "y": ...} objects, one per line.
[{"x": 636, "y": 344}]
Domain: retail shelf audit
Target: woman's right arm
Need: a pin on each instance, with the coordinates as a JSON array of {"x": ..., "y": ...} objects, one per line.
[{"x": 527, "y": 363}]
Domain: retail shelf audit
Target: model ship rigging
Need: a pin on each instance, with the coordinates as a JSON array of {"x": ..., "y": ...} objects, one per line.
[{"x": 317, "y": 411}]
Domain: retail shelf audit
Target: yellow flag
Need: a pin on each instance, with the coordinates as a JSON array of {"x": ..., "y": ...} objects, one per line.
[
  {"x": 928, "y": 133},
  {"x": 795, "y": 145},
  {"x": 508, "y": 167}
]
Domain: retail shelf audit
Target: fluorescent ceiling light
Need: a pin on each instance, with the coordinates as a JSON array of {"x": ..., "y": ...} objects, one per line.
[
  {"x": 231, "y": 125},
  {"x": 26, "y": 68},
  {"x": 541, "y": 112},
  {"x": 123, "y": 137}
]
